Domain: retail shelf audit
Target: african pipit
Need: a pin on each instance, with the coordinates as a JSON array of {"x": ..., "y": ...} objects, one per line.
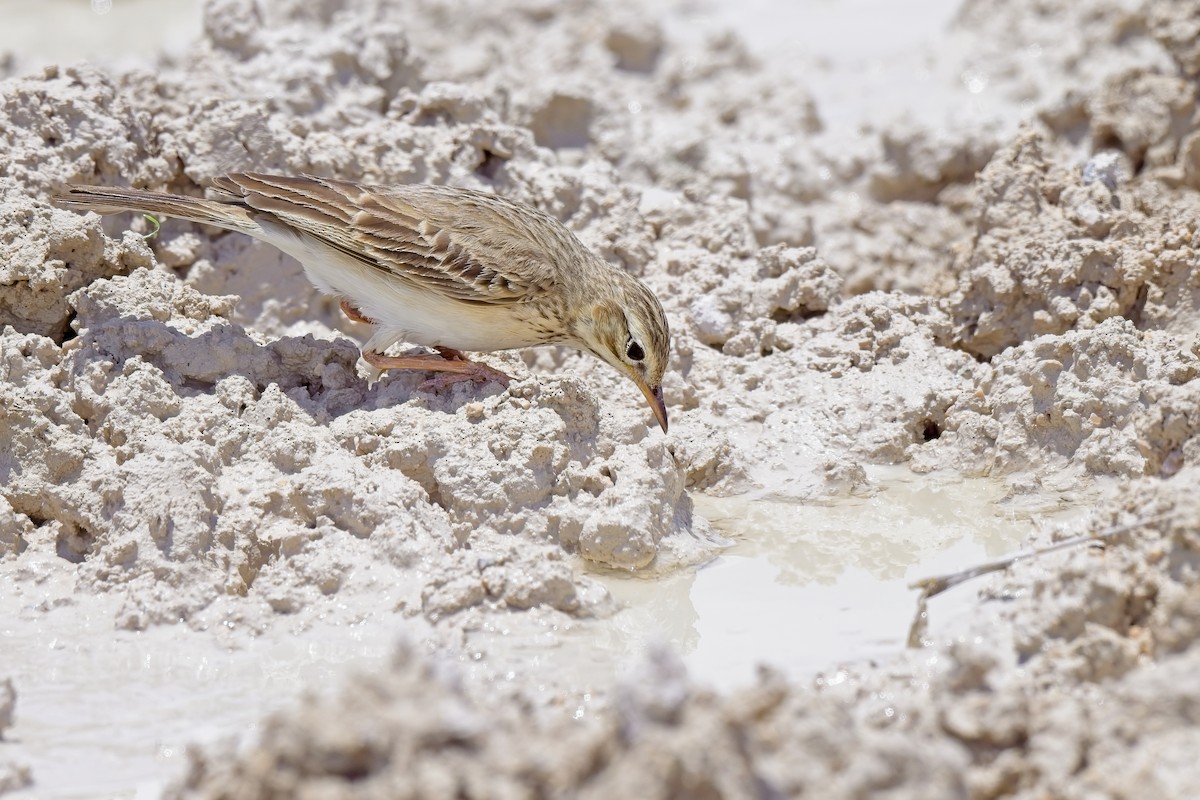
[{"x": 446, "y": 268}]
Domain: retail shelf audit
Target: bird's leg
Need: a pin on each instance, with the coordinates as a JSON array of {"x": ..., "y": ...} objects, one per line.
[
  {"x": 454, "y": 365},
  {"x": 477, "y": 371},
  {"x": 353, "y": 313}
]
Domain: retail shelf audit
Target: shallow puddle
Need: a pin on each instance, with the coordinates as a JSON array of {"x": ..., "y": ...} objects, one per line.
[{"x": 807, "y": 587}]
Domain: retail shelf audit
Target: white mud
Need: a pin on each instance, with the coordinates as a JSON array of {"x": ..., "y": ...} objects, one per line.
[{"x": 207, "y": 511}]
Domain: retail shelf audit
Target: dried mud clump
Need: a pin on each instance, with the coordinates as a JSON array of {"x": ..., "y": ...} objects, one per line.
[
  {"x": 72, "y": 124},
  {"x": 1176, "y": 26},
  {"x": 224, "y": 465},
  {"x": 1051, "y": 252}
]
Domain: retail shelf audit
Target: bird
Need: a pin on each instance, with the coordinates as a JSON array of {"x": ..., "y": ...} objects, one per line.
[{"x": 447, "y": 268}]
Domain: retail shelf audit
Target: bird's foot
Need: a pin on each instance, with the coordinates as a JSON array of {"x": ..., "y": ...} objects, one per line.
[{"x": 452, "y": 365}]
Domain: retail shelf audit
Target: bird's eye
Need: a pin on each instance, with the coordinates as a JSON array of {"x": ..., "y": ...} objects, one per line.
[{"x": 634, "y": 351}]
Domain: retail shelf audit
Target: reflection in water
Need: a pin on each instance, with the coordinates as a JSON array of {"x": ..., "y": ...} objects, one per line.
[{"x": 905, "y": 521}]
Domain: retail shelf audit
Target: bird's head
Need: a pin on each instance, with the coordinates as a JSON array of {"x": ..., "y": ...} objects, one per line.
[{"x": 628, "y": 329}]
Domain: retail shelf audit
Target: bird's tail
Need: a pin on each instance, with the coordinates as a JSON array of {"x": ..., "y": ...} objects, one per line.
[{"x": 108, "y": 200}]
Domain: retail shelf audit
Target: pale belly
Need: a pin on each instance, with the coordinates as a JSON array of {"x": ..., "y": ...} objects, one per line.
[{"x": 402, "y": 313}]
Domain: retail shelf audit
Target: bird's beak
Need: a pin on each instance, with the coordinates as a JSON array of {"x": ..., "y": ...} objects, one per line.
[{"x": 654, "y": 397}]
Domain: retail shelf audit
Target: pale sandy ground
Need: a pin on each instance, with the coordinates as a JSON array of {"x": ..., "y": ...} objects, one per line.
[{"x": 931, "y": 282}]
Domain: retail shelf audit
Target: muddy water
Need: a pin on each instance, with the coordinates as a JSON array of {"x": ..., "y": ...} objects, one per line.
[{"x": 804, "y": 587}]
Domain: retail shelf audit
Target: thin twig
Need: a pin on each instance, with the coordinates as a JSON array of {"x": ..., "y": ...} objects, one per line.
[{"x": 936, "y": 584}]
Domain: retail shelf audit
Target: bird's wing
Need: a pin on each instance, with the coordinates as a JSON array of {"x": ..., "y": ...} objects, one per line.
[{"x": 471, "y": 246}]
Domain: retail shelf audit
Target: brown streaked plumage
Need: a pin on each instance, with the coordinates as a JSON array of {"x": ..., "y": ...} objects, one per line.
[{"x": 452, "y": 269}]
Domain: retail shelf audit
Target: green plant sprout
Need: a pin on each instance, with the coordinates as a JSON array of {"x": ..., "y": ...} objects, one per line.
[{"x": 155, "y": 223}]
